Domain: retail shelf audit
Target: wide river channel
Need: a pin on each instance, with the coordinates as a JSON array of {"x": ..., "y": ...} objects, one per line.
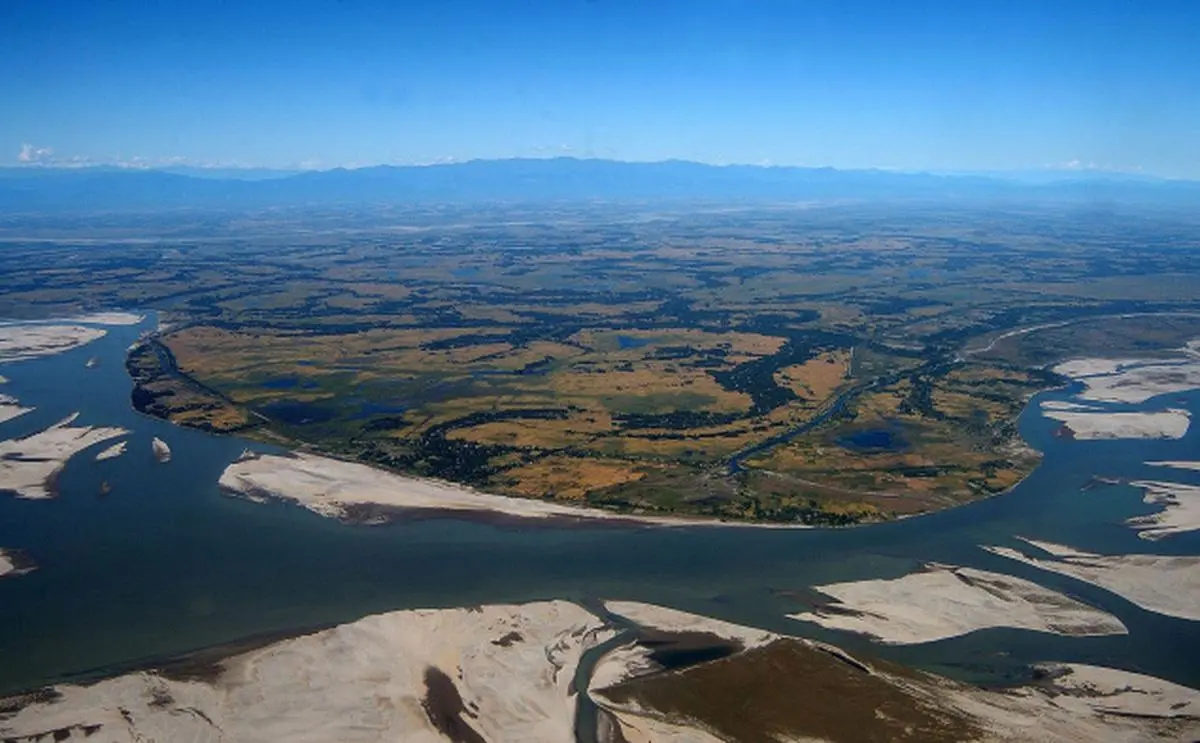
[{"x": 165, "y": 564}]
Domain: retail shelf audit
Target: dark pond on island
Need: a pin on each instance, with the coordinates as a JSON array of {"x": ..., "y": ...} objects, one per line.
[{"x": 166, "y": 564}]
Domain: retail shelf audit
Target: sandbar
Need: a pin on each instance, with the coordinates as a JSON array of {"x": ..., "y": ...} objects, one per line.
[
  {"x": 110, "y": 318},
  {"x": 944, "y": 601},
  {"x": 1133, "y": 380},
  {"x": 1180, "y": 509},
  {"x": 1102, "y": 424},
  {"x": 674, "y": 620},
  {"x": 10, "y": 407},
  {"x": 28, "y": 465},
  {"x": 1164, "y": 584},
  {"x": 484, "y": 674},
  {"x": 359, "y": 493},
  {"x": 113, "y": 451},
  {"x": 14, "y": 563},
  {"x": 162, "y": 452},
  {"x": 19, "y": 342}
]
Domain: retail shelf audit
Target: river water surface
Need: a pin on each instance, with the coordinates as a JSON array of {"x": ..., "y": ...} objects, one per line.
[{"x": 165, "y": 564}]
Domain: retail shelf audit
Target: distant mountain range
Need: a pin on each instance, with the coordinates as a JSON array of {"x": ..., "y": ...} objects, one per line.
[{"x": 560, "y": 179}]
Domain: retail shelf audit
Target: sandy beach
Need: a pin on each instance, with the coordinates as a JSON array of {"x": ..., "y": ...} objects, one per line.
[
  {"x": 28, "y": 465},
  {"x": 161, "y": 451},
  {"x": 946, "y": 601},
  {"x": 1160, "y": 583},
  {"x": 361, "y": 494}
]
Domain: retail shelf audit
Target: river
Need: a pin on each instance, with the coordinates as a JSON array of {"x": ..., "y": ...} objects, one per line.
[{"x": 165, "y": 564}]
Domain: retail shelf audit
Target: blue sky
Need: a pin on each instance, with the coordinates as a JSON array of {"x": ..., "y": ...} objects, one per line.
[{"x": 963, "y": 85}]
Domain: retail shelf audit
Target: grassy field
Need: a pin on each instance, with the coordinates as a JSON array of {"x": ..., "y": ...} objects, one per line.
[{"x": 818, "y": 364}]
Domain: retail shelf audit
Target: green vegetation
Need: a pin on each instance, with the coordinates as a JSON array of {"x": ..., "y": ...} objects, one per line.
[{"x": 825, "y": 365}]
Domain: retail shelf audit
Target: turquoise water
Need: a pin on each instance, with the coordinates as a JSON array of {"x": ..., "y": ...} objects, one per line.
[{"x": 166, "y": 564}]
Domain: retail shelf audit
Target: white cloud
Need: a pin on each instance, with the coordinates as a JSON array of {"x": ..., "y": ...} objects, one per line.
[{"x": 31, "y": 154}]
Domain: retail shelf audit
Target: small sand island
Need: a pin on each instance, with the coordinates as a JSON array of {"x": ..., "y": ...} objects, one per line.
[
  {"x": 1160, "y": 583},
  {"x": 22, "y": 341},
  {"x": 945, "y": 601},
  {"x": 113, "y": 451},
  {"x": 1135, "y": 380},
  {"x": 1087, "y": 422},
  {"x": 357, "y": 493},
  {"x": 10, "y": 407},
  {"x": 29, "y": 465},
  {"x": 495, "y": 674},
  {"x": 1180, "y": 509},
  {"x": 162, "y": 452},
  {"x": 14, "y": 563}
]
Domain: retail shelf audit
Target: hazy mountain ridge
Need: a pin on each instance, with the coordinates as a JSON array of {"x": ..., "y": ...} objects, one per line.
[{"x": 560, "y": 179}]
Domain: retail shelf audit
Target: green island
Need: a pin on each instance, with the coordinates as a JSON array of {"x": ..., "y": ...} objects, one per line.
[{"x": 827, "y": 365}]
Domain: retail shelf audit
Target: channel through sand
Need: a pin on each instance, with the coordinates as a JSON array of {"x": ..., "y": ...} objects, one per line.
[
  {"x": 504, "y": 673},
  {"x": 1164, "y": 584}
]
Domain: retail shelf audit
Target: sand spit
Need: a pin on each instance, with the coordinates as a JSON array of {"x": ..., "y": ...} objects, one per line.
[
  {"x": 10, "y": 407},
  {"x": 494, "y": 673},
  {"x": 799, "y": 690},
  {"x": 28, "y": 341},
  {"x": 945, "y": 601},
  {"x": 113, "y": 451},
  {"x": 1195, "y": 466},
  {"x": 1159, "y": 583},
  {"x": 361, "y": 494},
  {"x": 1134, "y": 380},
  {"x": 28, "y": 465},
  {"x": 1091, "y": 423},
  {"x": 110, "y": 318},
  {"x": 1180, "y": 509},
  {"x": 162, "y": 452},
  {"x": 673, "y": 620},
  {"x": 14, "y": 563}
]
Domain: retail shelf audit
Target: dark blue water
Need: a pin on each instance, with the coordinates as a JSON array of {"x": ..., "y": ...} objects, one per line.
[
  {"x": 166, "y": 564},
  {"x": 626, "y": 342}
]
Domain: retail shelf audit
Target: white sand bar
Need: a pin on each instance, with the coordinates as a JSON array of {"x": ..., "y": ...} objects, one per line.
[
  {"x": 1133, "y": 380},
  {"x": 501, "y": 672},
  {"x": 113, "y": 451},
  {"x": 946, "y": 601},
  {"x": 1194, "y": 466},
  {"x": 13, "y": 563},
  {"x": 162, "y": 452},
  {"x": 10, "y": 407},
  {"x": 1096, "y": 424},
  {"x": 1180, "y": 509},
  {"x": 334, "y": 488},
  {"x": 1160, "y": 583},
  {"x": 19, "y": 342},
  {"x": 28, "y": 465},
  {"x": 1122, "y": 692},
  {"x": 110, "y": 318},
  {"x": 673, "y": 620}
]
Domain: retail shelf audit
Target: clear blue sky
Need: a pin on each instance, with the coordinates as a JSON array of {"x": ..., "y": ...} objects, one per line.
[{"x": 954, "y": 85}]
